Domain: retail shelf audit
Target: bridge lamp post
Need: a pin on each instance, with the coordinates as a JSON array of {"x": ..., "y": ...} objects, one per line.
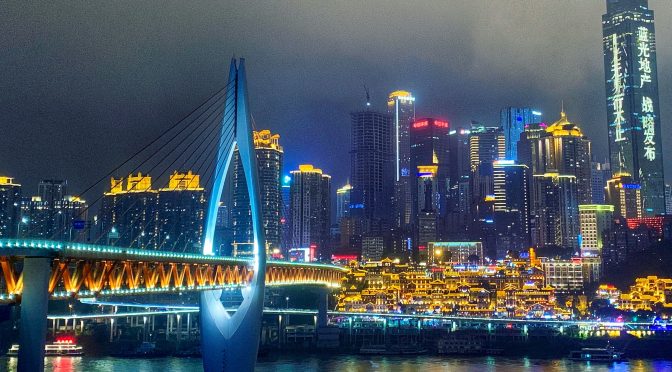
[
  {"x": 111, "y": 329},
  {"x": 179, "y": 331},
  {"x": 24, "y": 220},
  {"x": 144, "y": 328},
  {"x": 287, "y": 299}
]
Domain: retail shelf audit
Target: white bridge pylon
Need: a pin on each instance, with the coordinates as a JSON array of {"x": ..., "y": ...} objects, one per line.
[{"x": 230, "y": 342}]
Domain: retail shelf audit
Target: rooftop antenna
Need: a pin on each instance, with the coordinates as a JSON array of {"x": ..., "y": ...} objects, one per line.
[{"x": 368, "y": 97}]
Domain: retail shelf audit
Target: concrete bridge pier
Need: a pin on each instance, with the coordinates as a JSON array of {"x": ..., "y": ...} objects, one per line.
[
  {"x": 322, "y": 307},
  {"x": 34, "y": 301}
]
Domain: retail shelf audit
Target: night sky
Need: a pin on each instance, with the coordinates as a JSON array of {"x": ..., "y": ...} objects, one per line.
[{"x": 85, "y": 84}]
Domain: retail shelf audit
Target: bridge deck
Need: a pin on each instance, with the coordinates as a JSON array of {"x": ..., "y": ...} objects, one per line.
[{"x": 85, "y": 270}]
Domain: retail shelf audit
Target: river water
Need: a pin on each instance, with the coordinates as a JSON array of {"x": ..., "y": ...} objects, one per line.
[{"x": 346, "y": 363}]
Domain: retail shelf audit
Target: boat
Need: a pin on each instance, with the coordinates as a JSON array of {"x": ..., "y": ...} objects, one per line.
[
  {"x": 407, "y": 349},
  {"x": 460, "y": 346},
  {"x": 606, "y": 354},
  {"x": 375, "y": 350},
  {"x": 63, "y": 346}
]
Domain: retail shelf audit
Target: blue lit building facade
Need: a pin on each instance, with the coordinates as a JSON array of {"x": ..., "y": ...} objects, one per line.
[{"x": 513, "y": 121}]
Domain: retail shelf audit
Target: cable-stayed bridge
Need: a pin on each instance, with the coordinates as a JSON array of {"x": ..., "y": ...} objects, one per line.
[{"x": 133, "y": 250}]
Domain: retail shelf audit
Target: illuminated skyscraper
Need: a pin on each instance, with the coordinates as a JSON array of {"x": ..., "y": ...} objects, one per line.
[
  {"x": 343, "y": 202},
  {"x": 180, "y": 214},
  {"x": 310, "y": 205},
  {"x": 10, "y": 207},
  {"x": 632, "y": 99},
  {"x": 401, "y": 107},
  {"x": 563, "y": 149},
  {"x": 511, "y": 206},
  {"x": 486, "y": 145},
  {"x": 426, "y": 198},
  {"x": 513, "y": 121},
  {"x": 269, "y": 161},
  {"x": 430, "y": 143},
  {"x": 372, "y": 170},
  {"x": 555, "y": 211},
  {"x": 594, "y": 220},
  {"x": 625, "y": 196}
]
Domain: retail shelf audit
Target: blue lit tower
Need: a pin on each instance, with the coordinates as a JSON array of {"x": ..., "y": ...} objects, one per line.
[
  {"x": 513, "y": 121},
  {"x": 632, "y": 99}
]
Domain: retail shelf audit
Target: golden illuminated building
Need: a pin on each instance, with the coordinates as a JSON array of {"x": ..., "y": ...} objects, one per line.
[
  {"x": 648, "y": 294},
  {"x": 184, "y": 181},
  {"x": 514, "y": 290},
  {"x": 171, "y": 218}
]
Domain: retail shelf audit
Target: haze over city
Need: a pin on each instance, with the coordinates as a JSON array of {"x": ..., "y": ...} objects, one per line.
[{"x": 80, "y": 73}]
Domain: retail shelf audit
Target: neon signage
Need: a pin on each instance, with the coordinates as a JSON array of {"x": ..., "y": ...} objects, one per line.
[
  {"x": 421, "y": 124},
  {"x": 618, "y": 89},
  {"x": 647, "y": 118}
]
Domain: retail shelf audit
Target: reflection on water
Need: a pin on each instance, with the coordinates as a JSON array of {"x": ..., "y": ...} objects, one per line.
[{"x": 346, "y": 363}]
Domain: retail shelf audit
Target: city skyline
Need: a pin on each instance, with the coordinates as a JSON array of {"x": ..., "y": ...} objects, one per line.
[
  {"x": 456, "y": 96},
  {"x": 495, "y": 170}
]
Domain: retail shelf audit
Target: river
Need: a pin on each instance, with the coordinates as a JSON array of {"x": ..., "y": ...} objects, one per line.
[{"x": 346, "y": 363}]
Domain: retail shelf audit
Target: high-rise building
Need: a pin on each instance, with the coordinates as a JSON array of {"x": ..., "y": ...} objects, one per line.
[
  {"x": 528, "y": 145},
  {"x": 625, "y": 195},
  {"x": 54, "y": 215},
  {"x": 129, "y": 213},
  {"x": 401, "y": 107},
  {"x": 10, "y": 207},
  {"x": 51, "y": 191},
  {"x": 668, "y": 199},
  {"x": 430, "y": 148},
  {"x": 486, "y": 145},
  {"x": 181, "y": 212},
  {"x": 310, "y": 206},
  {"x": 511, "y": 206},
  {"x": 458, "y": 206},
  {"x": 372, "y": 170},
  {"x": 594, "y": 220},
  {"x": 372, "y": 248},
  {"x": 563, "y": 149},
  {"x": 343, "y": 202},
  {"x": 513, "y": 120},
  {"x": 286, "y": 219},
  {"x": 599, "y": 175},
  {"x": 631, "y": 82},
  {"x": 269, "y": 161},
  {"x": 555, "y": 211}
]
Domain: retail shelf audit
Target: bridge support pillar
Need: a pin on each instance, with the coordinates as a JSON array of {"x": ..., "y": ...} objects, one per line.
[
  {"x": 322, "y": 306},
  {"x": 34, "y": 301}
]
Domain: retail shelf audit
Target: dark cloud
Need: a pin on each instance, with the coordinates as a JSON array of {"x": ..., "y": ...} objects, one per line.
[{"x": 84, "y": 84}]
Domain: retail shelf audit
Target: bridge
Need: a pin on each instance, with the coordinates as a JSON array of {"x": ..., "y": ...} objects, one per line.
[
  {"x": 36, "y": 271},
  {"x": 86, "y": 270}
]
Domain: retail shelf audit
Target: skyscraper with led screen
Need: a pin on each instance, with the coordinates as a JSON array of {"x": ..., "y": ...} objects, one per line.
[{"x": 632, "y": 98}]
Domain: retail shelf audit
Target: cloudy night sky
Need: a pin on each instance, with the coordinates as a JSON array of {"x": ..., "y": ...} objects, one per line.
[{"x": 85, "y": 84}]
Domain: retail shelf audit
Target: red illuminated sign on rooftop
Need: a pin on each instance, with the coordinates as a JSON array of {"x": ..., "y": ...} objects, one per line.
[{"x": 420, "y": 124}]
